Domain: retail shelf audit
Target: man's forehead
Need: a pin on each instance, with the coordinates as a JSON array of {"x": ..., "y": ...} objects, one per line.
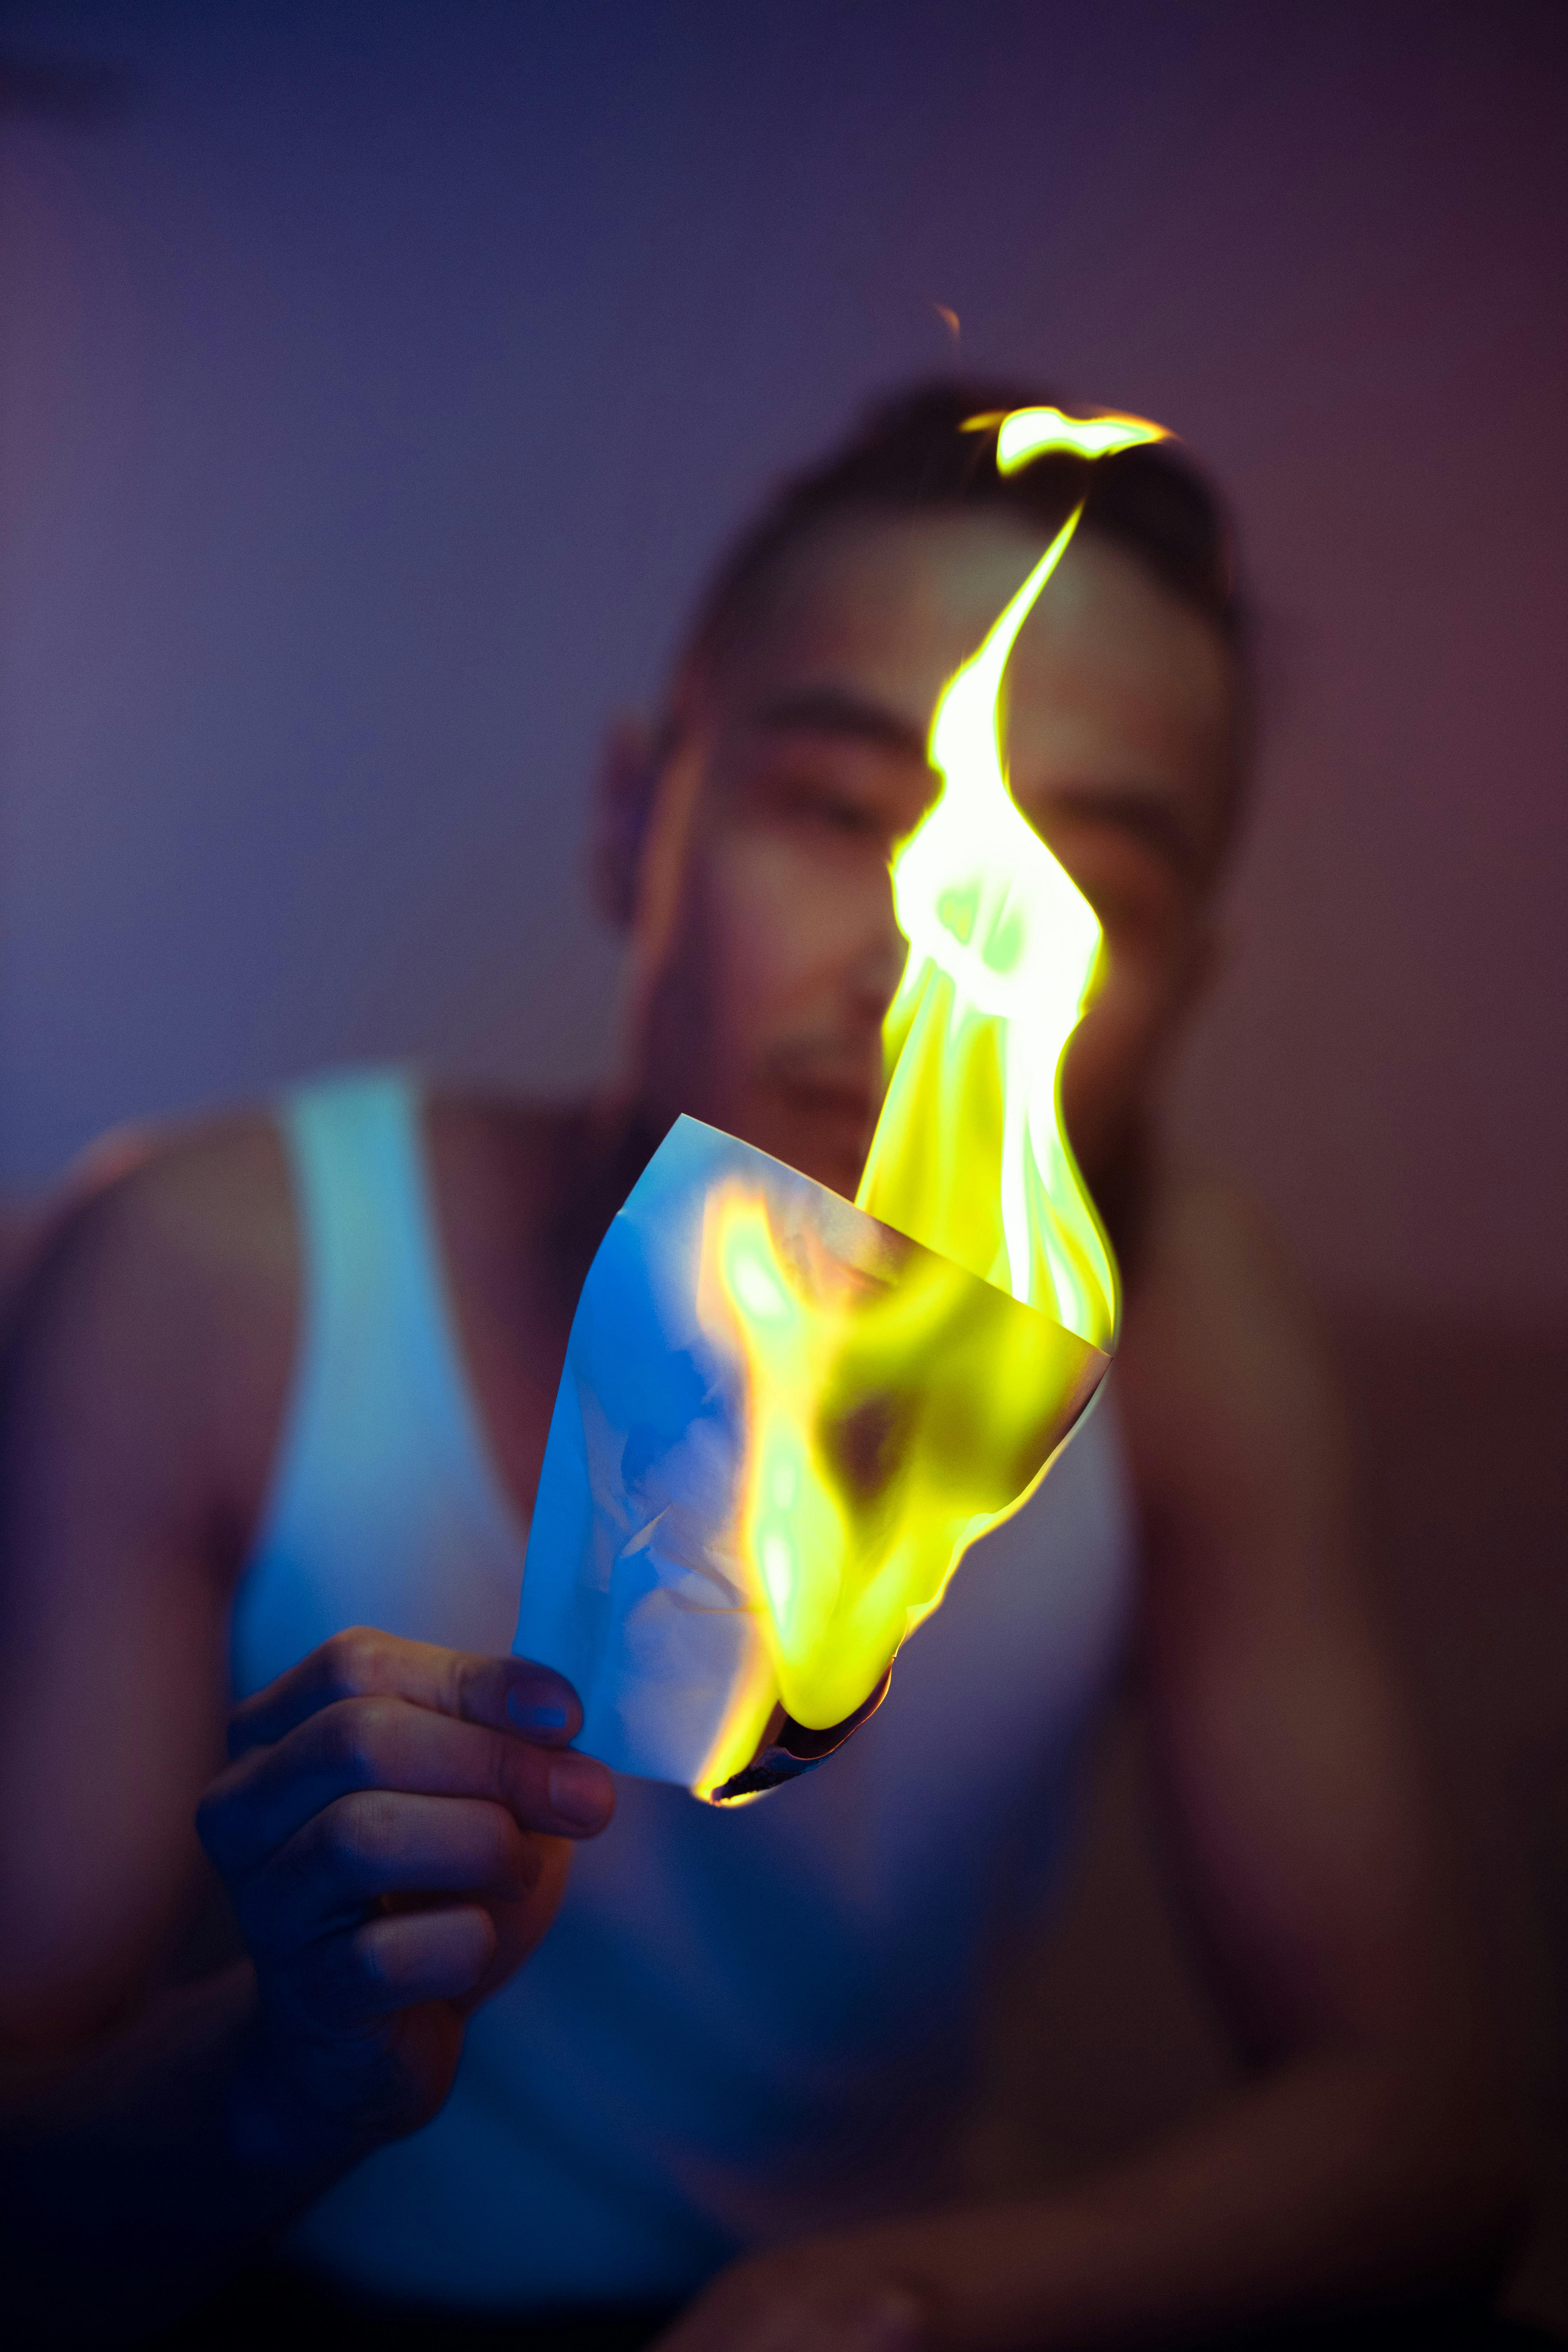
[
  {"x": 843, "y": 710},
  {"x": 877, "y": 610},
  {"x": 883, "y": 609}
]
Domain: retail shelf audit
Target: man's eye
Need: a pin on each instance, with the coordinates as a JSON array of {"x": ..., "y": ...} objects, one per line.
[
  {"x": 1132, "y": 884},
  {"x": 835, "y": 812}
]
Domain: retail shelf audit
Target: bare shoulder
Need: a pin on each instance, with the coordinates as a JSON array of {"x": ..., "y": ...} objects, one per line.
[
  {"x": 1226, "y": 1380},
  {"x": 486, "y": 1138},
  {"x": 157, "y": 1323},
  {"x": 508, "y": 1172},
  {"x": 146, "y": 1373}
]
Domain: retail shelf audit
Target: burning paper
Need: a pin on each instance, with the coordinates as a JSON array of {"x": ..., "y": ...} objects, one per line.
[
  {"x": 783, "y": 1420},
  {"x": 779, "y": 1425}
]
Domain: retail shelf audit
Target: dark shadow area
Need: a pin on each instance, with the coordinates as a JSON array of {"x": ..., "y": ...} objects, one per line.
[
  {"x": 273, "y": 2306},
  {"x": 1102, "y": 2033}
]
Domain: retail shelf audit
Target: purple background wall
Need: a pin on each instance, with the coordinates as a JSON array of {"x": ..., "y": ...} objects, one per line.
[{"x": 376, "y": 382}]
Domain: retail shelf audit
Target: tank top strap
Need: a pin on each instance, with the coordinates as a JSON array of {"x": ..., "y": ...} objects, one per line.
[
  {"x": 382, "y": 1465},
  {"x": 366, "y": 1228}
]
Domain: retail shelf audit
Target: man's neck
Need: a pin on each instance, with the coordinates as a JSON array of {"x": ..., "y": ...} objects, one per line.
[
  {"x": 601, "y": 1148},
  {"x": 1120, "y": 1190}
]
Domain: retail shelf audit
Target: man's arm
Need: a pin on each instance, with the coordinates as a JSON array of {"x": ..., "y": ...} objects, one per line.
[
  {"x": 389, "y": 1829},
  {"x": 1369, "y": 2154}
]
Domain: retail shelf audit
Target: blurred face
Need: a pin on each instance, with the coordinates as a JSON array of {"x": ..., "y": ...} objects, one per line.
[{"x": 766, "y": 948}]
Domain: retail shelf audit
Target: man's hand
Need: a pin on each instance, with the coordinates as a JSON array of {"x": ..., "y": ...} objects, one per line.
[
  {"x": 392, "y": 1831},
  {"x": 829, "y": 2294}
]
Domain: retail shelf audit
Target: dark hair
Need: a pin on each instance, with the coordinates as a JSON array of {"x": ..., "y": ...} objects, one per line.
[{"x": 912, "y": 453}]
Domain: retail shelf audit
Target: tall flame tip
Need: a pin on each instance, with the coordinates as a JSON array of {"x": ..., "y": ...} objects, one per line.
[{"x": 1029, "y": 433}]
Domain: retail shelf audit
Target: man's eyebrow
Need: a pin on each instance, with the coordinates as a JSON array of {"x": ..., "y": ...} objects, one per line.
[
  {"x": 838, "y": 711},
  {"x": 1148, "y": 816}
]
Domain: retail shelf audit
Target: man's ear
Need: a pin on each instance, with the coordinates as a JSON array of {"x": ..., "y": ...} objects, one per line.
[
  {"x": 1212, "y": 954},
  {"x": 623, "y": 802},
  {"x": 1208, "y": 953}
]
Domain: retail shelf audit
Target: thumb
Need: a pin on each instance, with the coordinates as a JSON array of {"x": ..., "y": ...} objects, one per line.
[{"x": 890, "y": 2319}]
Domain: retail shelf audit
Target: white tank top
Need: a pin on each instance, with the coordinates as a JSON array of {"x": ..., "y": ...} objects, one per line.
[{"x": 745, "y": 2024}]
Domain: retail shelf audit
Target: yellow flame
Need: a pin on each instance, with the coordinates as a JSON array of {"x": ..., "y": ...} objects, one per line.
[
  {"x": 899, "y": 1408},
  {"x": 895, "y": 1410},
  {"x": 1026, "y": 432},
  {"x": 970, "y": 1155}
]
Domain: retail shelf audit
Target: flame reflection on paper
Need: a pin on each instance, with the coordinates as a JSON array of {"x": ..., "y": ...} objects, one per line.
[{"x": 895, "y": 1408}]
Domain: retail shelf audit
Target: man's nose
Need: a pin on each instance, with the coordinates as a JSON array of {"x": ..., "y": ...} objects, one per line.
[{"x": 879, "y": 966}]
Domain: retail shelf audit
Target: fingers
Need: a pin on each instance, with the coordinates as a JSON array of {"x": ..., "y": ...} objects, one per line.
[
  {"x": 391, "y": 1743},
  {"x": 889, "y": 2320},
  {"x": 384, "y": 1768},
  {"x": 742, "y": 2312},
  {"x": 371, "y": 1844},
  {"x": 520, "y": 1927},
  {"x": 395, "y": 1960},
  {"x": 508, "y": 1694}
]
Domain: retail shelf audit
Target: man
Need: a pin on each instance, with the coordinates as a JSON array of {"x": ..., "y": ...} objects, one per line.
[{"x": 293, "y": 1376}]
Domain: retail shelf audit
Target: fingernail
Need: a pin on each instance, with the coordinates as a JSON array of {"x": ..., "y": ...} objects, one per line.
[
  {"x": 894, "y": 2321},
  {"x": 580, "y": 1791},
  {"x": 535, "y": 1715}
]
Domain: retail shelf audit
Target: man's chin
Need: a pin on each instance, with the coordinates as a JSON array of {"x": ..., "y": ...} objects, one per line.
[
  {"x": 824, "y": 1142},
  {"x": 838, "y": 1174}
]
